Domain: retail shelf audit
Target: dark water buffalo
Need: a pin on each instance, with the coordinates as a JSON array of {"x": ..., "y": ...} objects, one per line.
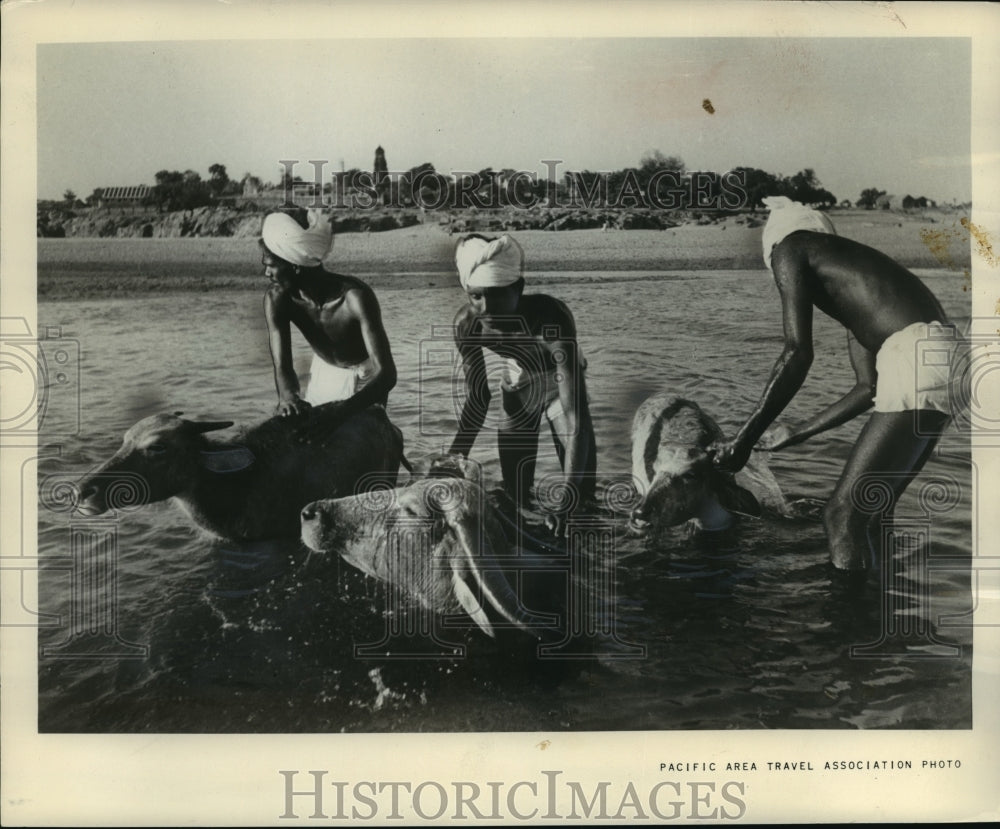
[
  {"x": 252, "y": 487},
  {"x": 676, "y": 476}
]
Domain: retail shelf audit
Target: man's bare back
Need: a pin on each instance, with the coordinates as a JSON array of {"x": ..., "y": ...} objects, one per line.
[{"x": 867, "y": 292}]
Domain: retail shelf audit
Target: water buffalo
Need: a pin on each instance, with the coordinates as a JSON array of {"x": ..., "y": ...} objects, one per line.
[
  {"x": 438, "y": 540},
  {"x": 252, "y": 487},
  {"x": 679, "y": 482}
]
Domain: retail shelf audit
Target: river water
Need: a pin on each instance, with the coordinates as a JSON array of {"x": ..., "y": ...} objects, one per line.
[{"x": 750, "y": 629}]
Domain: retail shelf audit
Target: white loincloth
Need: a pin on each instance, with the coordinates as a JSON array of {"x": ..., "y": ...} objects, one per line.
[
  {"x": 328, "y": 382},
  {"x": 914, "y": 368}
]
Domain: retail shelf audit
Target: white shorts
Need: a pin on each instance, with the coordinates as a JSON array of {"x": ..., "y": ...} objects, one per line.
[
  {"x": 914, "y": 368},
  {"x": 328, "y": 382},
  {"x": 515, "y": 378}
]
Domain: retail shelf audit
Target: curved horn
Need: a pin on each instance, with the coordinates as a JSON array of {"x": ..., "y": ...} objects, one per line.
[{"x": 490, "y": 579}]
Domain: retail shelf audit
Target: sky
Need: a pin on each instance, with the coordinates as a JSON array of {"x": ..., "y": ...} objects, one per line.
[{"x": 862, "y": 112}]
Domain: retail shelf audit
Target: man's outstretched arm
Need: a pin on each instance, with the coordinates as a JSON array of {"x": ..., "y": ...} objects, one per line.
[
  {"x": 857, "y": 401},
  {"x": 477, "y": 397},
  {"x": 789, "y": 370}
]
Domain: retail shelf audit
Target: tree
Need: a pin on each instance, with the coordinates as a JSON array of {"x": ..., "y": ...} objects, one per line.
[
  {"x": 655, "y": 160},
  {"x": 429, "y": 185},
  {"x": 803, "y": 183},
  {"x": 251, "y": 184},
  {"x": 180, "y": 191},
  {"x": 759, "y": 184},
  {"x": 218, "y": 179},
  {"x": 587, "y": 188},
  {"x": 69, "y": 197},
  {"x": 650, "y": 164},
  {"x": 805, "y": 187},
  {"x": 824, "y": 198},
  {"x": 869, "y": 196}
]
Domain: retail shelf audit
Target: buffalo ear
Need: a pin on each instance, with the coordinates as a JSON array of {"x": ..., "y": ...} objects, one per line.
[
  {"x": 735, "y": 498},
  {"x": 202, "y": 426}
]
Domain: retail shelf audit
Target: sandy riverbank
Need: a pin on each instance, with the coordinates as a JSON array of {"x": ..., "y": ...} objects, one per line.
[{"x": 422, "y": 255}]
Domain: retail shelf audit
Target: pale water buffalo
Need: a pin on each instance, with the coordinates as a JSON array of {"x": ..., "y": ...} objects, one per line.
[
  {"x": 254, "y": 486},
  {"x": 438, "y": 540},
  {"x": 676, "y": 477}
]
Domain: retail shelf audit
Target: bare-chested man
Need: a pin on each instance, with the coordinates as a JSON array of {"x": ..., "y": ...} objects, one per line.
[
  {"x": 338, "y": 315},
  {"x": 543, "y": 372},
  {"x": 886, "y": 311}
]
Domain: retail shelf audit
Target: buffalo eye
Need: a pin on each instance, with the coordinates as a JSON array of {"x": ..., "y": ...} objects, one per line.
[{"x": 156, "y": 449}]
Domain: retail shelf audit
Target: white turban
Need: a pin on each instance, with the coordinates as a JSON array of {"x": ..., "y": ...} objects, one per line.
[
  {"x": 786, "y": 217},
  {"x": 286, "y": 238},
  {"x": 489, "y": 264}
]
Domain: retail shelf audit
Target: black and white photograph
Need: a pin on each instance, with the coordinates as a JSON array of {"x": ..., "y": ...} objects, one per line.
[{"x": 528, "y": 415}]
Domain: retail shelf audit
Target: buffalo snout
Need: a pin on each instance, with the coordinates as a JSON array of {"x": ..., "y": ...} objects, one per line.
[
  {"x": 638, "y": 522},
  {"x": 671, "y": 500},
  {"x": 91, "y": 499},
  {"x": 317, "y": 526},
  {"x": 312, "y": 519}
]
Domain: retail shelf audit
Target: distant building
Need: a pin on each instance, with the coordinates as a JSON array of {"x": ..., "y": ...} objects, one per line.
[
  {"x": 380, "y": 168},
  {"x": 380, "y": 174},
  {"x": 123, "y": 198}
]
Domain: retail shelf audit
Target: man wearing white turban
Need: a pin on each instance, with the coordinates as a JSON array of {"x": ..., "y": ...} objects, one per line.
[
  {"x": 542, "y": 372},
  {"x": 888, "y": 312},
  {"x": 338, "y": 315}
]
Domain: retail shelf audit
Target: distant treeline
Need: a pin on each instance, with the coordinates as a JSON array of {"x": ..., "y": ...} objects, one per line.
[{"x": 659, "y": 182}]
